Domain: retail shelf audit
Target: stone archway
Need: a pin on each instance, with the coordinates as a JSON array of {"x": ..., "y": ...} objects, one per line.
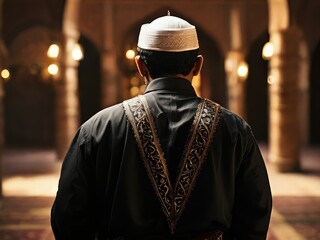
[
  {"x": 29, "y": 98},
  {"x": 213, "y": 74},
  {"x": 257, "y": 90},
  {"x": 315, "y": 97},
  {"x": 27, "y": 94},
  {"x": 89, "y": 76}
]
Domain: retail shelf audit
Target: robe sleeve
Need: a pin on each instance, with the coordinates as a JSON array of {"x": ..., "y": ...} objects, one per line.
[
  {"x": 253, "y": 200},
  {"x": 72, "y": 213}
]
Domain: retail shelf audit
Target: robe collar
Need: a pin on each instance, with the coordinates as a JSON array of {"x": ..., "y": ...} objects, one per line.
[{"x": 171, "y": 84}]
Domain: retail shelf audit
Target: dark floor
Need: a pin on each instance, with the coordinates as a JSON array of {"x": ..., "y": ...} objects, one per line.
[{"x": 30, "y": 182}]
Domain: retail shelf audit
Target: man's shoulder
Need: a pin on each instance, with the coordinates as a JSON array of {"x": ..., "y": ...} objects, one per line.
[
  {"x": 232, "y": 120},
  {"x": 228, "y": 114},
  {"x": 108, "y": 113},
  {"x": 104, "y": 118}
]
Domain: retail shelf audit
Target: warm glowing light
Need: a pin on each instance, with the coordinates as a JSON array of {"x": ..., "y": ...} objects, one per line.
[
  {"x": 77, "y": 53},
  {"x": 134, "y": 81},
  {"x": 53, "y": 51},
  {"x": 270, "y": 80},
  {"x": 130, "y": 54},
  {"x": 243, "y": 70},
  {"x": 267, "y": 50},
  {"x": 229, "y": 64},
  {"x": 5, "y": 74},
  {"x": 134, "y": 91},
  {"x": 142, "y": 88},
  {"x": 53, "y": 69}
]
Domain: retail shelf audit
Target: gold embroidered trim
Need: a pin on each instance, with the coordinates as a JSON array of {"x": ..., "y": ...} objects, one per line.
[
  {"x": 173, "y": 201},
  {"x": 195, "y": 152},
  {"x": 150, "y": 151}
]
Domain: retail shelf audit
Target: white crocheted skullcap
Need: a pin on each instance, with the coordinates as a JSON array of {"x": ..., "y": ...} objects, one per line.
[{"x": 168, "y": 34}]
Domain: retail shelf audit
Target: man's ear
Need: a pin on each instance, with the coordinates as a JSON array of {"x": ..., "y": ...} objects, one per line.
[
  {"x": 197, "y": 65},
  {"x": 141, "y": 66}
]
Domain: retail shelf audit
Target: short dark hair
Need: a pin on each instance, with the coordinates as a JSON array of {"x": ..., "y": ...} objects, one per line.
[{"x": 160, "y": 64}]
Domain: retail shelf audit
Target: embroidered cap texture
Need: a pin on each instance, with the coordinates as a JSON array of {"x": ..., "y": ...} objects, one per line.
[{"x": 168, "y": 34}]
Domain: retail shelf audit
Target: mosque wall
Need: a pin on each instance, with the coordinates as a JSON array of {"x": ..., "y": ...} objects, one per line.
[{"x": 121, "y": 28}]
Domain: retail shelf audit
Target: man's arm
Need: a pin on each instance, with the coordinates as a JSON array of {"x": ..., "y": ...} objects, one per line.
[
  {"x": 72, "y": 214},
  {"x": 253, "y": 200}
]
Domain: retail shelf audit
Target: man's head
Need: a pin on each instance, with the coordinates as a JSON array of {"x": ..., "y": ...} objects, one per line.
[{"x": 168, "y": 46}]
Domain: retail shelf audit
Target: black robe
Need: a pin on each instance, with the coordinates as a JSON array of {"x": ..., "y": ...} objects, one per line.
[{"x": 105, "y": 192}]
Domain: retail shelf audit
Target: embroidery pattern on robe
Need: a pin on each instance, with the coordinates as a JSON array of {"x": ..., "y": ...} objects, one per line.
[{"x": 199, "y": 141}]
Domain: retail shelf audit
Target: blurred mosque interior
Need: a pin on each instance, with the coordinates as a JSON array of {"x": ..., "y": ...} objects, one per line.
[{"x": 61, "y": 61}]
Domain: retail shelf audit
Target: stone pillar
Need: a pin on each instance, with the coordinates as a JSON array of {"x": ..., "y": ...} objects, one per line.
[
  {"x": 235, "y": 57},
  {"x": 3, "y": 55},
  {"x": 236, "y": 85},
  {"x": 67, "y": 102},
  {"x": 67, "y": 108},
  {"x": 1, "y": 128},
  {"x": 110, "y": 79},
  {"x": 303, "y": 85},
  {"x": 288, "y": 93}
]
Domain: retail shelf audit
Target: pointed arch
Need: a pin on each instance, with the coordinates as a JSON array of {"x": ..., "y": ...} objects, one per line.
[
  {"x": 257, "y": 89},
  {"x": 89, "y": 79},
  {"x": 314, "y": 96}
]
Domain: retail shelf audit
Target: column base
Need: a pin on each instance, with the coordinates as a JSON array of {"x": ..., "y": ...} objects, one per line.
[{"x": 285, "y": 164}]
